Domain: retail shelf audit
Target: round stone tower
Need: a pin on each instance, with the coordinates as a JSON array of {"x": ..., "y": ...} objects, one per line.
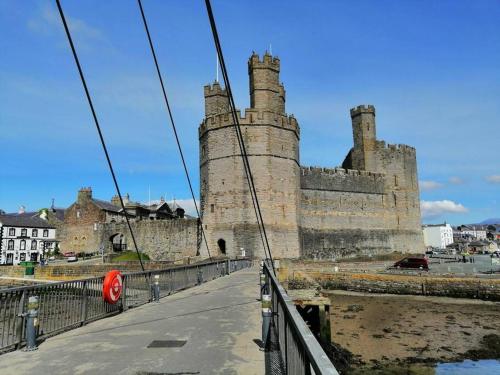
[{"x": 272, "y": 143}]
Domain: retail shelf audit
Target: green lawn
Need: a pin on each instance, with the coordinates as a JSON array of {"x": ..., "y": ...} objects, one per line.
[{"x": 130, "y": 255}]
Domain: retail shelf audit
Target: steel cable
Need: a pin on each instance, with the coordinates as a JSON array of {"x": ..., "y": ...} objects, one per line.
[
  {"x": 172, "y": 122},
  {"x": 237, "y": 127},
  {"x": 96, "y": 121}
]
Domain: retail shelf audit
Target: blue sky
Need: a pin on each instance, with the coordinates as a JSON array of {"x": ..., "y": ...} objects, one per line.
[{"x": 431, "y": 68}]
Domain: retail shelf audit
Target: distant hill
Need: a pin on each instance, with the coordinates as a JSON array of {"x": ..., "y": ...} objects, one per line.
[{"x": 490, "y": 221}]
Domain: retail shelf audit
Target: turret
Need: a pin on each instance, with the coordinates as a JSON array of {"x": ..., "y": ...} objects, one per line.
[
  {"x": 365, "y": 137},
  {"x": 216, "y": 100},
  {"x": 266, "y": 91}
]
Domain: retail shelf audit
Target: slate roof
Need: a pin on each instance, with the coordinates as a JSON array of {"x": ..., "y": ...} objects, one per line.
[
  {"x": 24, "y": 220},
  {"x": 58, "y": 213},
  {"x": 106, "y": 205}
]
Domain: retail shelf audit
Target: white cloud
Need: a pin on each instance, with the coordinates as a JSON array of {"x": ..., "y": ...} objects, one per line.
[
  {"x": 188, "y": 206},
  {"x": 429, "y": 185},
  {"x": 495, "y": 178},
  {"x": 456, "y": 180},
  {"x": 431, "y": 209},
  {"x": 48, "y": 22}
]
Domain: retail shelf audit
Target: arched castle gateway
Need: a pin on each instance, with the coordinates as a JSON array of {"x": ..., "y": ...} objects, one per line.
[{"x": 370, "y": 205}]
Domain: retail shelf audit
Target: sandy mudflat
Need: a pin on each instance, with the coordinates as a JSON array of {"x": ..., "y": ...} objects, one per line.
[{"x": 387, "y": 328}]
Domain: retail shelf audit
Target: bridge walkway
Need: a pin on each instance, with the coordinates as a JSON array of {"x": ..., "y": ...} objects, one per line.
[{"x": 219, "y": 321}]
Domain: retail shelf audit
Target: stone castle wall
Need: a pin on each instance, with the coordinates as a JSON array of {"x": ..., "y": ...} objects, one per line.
[
  {"x": 160, "y": 239},
  {"x": 369, "y": 206},
  {"x": 228, "y": 212}
]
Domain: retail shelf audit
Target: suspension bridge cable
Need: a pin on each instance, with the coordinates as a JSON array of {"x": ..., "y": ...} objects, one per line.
[
  {"x": 241, "y": 143},
  {"x": 103, "y": 143},
  {"x": 238, "y": 128},
  {"x": 172, "y": 122}
]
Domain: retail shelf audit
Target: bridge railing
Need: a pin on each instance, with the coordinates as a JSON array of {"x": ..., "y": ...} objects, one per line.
[
  {"x": 299, "y": 350},
  {"x": 71, "y": 304}
]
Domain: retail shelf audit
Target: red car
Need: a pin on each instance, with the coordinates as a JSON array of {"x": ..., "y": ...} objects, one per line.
[
  {"x": 419, "y": 263},
  {"x": 69, "y": 254}
]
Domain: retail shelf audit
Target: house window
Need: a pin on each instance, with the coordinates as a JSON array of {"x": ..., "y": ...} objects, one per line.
[
  {"x": 22, "y": 257},
  {"x": 10, "y": 245},
  {"x": 23, "y": 245},
  {"x": 34, "y": 233},
  {"x": 24, "y": 232},
  {"x": 12, "y": 231},
  {"x": 33, "y": 245},
  {"x": 45, "y": 232}
]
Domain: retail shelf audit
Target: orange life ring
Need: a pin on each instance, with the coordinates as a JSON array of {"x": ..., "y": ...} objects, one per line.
[{"x": 112, "y": 286}]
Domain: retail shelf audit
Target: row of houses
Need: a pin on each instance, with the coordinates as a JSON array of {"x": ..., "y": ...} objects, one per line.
[
  {"x": 443, "y": 235},
  {"x": 26, "y": 236},
  {"x": 31, "y": 236}
]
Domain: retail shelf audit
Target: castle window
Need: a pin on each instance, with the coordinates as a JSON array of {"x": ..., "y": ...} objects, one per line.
[
  {"x": 22, "y": 245},
  {"x": 203, "y": 150},
  {"x": 395, "y": 180},
  {"x": 34, "y": 233},
  {"x": 24, "y": 232},
  {"x": 45, "y": 232},
  {"x": 12, "y": 231},
  {"x": 212, "y": 207},
  {"x": 33, "y": 245},
  {"x": 78, "y": 214},
  {"x": 10, "y": 245}
]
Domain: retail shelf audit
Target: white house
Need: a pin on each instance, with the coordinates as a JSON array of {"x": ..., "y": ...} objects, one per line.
[
  {"x": 25, "y": 237},
  {"x": 437, "y": 235},
  {"x": 474, "y": 232}
]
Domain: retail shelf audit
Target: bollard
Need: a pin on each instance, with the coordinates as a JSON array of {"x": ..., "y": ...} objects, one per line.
[
  {"x": 156, "y": 289},
  {"x": 263, "y": 285},
  {"x": 199, "y": 275},
  {"x": 266, "y": 318},
  {"x": 31, "y": 324}
]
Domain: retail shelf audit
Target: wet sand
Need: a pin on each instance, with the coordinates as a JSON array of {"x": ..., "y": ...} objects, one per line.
[{"x": 411, "y": 329}]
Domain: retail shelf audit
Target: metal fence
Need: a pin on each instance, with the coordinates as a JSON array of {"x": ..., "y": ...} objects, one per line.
[
  {"x": 300, "y": 351},
  {"x": 70, "y": 304}
]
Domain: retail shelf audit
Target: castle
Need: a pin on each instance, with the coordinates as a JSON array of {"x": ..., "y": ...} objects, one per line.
[{"x": 370, "y": 205}]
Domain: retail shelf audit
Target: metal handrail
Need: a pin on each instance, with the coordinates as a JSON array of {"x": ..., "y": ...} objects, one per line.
[
  {"x": 301, "y": 334},
  {"x": 66, "y": 305}
]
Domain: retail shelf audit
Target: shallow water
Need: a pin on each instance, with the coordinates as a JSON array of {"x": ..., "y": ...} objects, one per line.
[{"x": 468, "y": 367}]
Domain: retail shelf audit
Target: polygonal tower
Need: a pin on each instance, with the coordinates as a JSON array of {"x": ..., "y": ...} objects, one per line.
[{"x": 272, "y": 143}]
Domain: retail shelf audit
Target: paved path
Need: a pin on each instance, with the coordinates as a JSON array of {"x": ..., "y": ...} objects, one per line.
[{"x": 219, "y": 320}]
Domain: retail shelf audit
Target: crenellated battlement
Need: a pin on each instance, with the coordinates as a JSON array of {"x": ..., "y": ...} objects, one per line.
[
  {"x": 214, "y": 89},
  {"x": 339, "y": 171},
  {"x": 267, "y": 62},
  {"x": 251, "y": 117},
  {"x": 399, "y": 148},
  {"x": 360, "y": 109},
  {"x": 340, "y": 179}
]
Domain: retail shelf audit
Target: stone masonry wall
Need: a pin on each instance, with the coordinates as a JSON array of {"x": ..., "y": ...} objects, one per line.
[
  {"x": 228, "y": 214},
  {"x": 160, "y": 239}
]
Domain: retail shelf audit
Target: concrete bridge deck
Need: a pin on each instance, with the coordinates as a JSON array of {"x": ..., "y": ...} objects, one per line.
[{"x": 219, "y": 321}]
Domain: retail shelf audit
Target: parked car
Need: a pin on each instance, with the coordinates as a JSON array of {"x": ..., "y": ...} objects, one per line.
[
  {"x": 419, "y": 263},
  {"x": 72, "y": 259},
  {"x": 69, "y": 254}
]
